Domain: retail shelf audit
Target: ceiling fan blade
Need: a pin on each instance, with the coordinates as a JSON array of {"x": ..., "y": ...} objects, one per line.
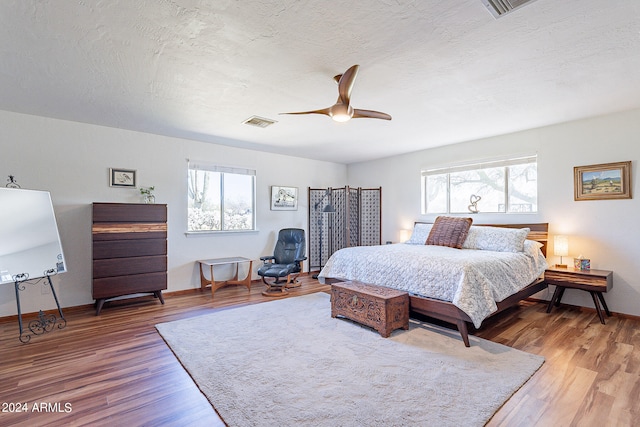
[
  {"x": 345, "y": 84},
  {"x": 324, "y": 111},
  {"x": 370, "y": 114}
]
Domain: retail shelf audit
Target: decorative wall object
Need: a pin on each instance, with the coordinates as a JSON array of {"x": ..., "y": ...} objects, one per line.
[
  {"x": 340, "y": 218},
  {"x": 284, "y": 198},
  {"x": 603, "y": 181},
  {"x": 122, "y": 178}
]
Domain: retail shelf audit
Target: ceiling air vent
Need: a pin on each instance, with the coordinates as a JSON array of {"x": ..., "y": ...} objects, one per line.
[
  {"x": 260, "y": 122},
  {"x": 499, "y": 8}
]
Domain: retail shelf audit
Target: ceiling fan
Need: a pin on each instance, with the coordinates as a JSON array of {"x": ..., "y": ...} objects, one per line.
[{"x": 342, "y": 111}]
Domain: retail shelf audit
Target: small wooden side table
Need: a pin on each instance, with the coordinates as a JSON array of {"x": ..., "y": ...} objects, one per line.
[
  {"x": 215, "y": 285},
  {"x": 593, "y": 281}
]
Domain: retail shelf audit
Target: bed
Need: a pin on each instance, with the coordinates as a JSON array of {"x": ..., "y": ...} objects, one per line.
[{"x": 495, "y": 267}]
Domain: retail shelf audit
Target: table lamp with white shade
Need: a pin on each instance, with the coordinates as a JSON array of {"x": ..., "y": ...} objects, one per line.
[{"x": 561, "y": 248}]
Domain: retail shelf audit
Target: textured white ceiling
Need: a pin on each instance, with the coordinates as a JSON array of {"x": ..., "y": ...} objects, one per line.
[{"x": 447, "y": 71}]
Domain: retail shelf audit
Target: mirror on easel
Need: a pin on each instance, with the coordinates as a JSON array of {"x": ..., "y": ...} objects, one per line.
[{"x": 29, "y": 240}]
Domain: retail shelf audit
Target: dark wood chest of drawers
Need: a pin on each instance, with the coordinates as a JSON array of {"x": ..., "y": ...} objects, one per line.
[{"x": 129, "y": 250}]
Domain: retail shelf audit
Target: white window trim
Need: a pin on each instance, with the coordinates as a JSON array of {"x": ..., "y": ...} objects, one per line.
[{"x": 481, "y": 165}]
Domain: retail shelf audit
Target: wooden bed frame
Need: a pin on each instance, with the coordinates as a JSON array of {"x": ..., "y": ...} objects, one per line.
[{"x": 446, "y": 311}]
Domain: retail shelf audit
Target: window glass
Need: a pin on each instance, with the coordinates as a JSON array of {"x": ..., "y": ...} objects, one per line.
[
  {"x": 486, "y": 186},
  {"x": 220, "y": 200},
  {"x": 494, "y": 187},
  {"x": 523, "y": 188},
  {"x": 436, "y": 197},
  {"x": 238, "y": 202}
]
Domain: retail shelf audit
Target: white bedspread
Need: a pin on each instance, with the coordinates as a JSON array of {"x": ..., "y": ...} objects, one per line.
[{"x": 473, "y": 280}]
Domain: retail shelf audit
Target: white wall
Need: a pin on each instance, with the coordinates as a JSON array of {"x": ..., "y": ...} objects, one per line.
[
  {"x": 71, "y": 160},
  {"x": 606, "y": 231}
]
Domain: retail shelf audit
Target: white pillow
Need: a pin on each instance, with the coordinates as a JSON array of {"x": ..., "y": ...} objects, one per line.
[
  {"x": 420, "y": 234},
  {"x": 532, "y": 248},
  {"x": 497, "y": 239}
]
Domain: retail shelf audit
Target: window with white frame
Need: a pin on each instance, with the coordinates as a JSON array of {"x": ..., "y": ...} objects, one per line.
[
  {"x": 220, "y": 198},
  {"x": 505, "y": 186}
]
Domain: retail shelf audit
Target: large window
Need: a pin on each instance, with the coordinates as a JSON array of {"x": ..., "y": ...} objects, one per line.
[
  {"x": 506, "y": 186},
  {"x": 220, "y": 198}
]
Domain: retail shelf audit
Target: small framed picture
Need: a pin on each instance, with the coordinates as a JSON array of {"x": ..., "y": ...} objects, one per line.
[
  {"x": 122, "y": 178},
  {"x": 284, "y": 198},
  {"x": 603, "y": 181}
]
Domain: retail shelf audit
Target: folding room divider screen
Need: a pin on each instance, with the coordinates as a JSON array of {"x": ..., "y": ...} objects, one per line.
[{"x": 342, "y": 217}]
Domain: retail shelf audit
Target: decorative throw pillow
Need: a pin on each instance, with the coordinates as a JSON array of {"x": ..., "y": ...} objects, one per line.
[
  {"x": 420, "y": 234},
  {"x": 499, "y": 239},
  {"x": 449, "y": 231}
]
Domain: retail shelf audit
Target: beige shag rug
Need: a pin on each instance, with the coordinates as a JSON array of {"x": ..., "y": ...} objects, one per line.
[{"x": 288, "y": 363}]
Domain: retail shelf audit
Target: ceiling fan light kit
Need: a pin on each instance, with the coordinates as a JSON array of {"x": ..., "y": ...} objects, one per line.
[{"x": 342, "y": 111}]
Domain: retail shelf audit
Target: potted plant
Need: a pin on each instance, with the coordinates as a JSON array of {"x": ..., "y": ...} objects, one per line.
[{"x": 147, "y": 194}]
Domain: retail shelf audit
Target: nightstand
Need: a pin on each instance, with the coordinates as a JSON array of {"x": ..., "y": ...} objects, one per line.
[{"x": 593, "y": 281}]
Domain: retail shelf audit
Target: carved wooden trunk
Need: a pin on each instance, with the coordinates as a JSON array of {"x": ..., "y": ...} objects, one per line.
[{"x": 383, "y": 309}]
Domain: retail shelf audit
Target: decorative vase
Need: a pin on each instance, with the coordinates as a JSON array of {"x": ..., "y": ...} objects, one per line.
[{"x": 149, "y": 198}]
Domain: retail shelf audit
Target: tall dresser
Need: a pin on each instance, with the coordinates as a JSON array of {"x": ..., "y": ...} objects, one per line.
[{"x": 129, "y": 250}]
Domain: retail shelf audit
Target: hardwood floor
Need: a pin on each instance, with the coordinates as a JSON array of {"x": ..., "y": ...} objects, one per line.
[
  {"x": 591, "y": 374},
  {"x": 114, "y": 369}
]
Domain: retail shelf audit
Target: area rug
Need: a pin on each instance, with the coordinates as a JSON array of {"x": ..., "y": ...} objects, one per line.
[{"x": 289, "y": 363}]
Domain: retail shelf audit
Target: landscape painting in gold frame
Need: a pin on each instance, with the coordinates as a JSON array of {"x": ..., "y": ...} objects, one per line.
[{"x": 603, "y": 181}]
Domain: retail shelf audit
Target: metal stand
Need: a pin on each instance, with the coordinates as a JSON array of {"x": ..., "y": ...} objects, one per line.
[
  {"x": 327, "y": 209},
  {"x": 44, "y": 322},
  {"x": 320, "y": 223}
]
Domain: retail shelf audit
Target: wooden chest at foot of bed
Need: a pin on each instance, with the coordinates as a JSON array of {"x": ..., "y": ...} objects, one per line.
[{"x": 383, "y": 309}]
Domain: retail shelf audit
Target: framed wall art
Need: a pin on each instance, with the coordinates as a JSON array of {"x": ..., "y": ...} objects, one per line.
[
  {"x": 284, "y": 198},
  {"x": 603, "y": 181},
  {"x": 122, "y": 178}
]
